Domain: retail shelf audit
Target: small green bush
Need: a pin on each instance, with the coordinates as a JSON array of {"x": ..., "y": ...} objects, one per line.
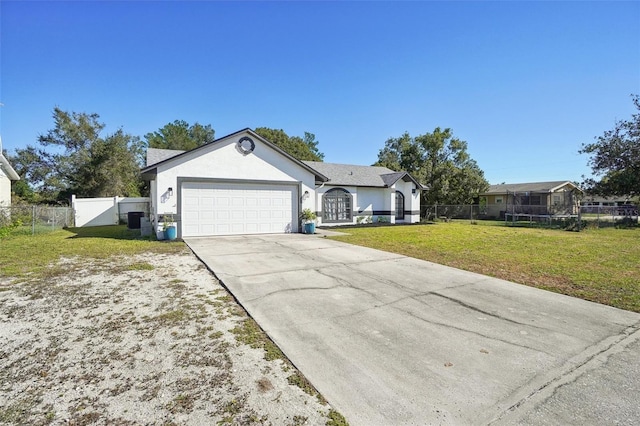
[{"x": 8, "y": 228}]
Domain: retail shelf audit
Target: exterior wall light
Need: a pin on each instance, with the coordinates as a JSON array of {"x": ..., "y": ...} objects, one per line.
[{"x": 170, "y": 191}]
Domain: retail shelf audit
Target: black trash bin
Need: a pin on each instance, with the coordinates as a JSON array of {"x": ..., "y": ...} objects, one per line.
[{"x": 133, "y": 219}]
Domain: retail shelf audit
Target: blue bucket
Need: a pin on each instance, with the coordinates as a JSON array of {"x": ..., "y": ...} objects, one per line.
[
  {"x": 171, "y": 233},
  {"x": 310, "y": 228}
]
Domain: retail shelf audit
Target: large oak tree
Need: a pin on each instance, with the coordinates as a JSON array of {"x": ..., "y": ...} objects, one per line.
[
  {"x": 74, "y": 158},
  {"x": 439, "y": 161},
  {"x": 303, "y": 149},
  {"x": 180, "y": 135},
  {"x": 615, "y": 159}
]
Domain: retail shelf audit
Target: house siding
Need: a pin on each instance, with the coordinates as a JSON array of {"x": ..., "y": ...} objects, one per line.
[
  {"x": 5, "y": 190},
  {"x": 371, "y": 202}
]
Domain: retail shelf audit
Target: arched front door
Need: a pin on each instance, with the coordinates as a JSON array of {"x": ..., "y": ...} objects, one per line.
[{"x": 399, "y": 206}]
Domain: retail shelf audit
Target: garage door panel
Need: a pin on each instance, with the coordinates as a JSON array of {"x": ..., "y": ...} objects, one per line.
[
  {"x": 191, "y": 201},
  {"x": 207, "y": 201},
  {"x": 265, "y": 227},
  {"x": 237, "y": 208}
]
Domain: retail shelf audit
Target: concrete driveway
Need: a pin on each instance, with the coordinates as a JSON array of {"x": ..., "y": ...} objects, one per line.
[{"x": 391, "y": 340}]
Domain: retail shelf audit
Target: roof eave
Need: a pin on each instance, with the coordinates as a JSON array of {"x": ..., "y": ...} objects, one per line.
[
  {"x": 149, "y": 174},
  {"x": 11, "y": 173}
]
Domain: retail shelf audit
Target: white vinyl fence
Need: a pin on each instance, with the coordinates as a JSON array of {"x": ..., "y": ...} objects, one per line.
[{"x": 106, "y": 211}]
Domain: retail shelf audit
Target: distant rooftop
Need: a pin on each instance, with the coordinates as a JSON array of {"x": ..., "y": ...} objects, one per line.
[{"x": 528, "y": 187}]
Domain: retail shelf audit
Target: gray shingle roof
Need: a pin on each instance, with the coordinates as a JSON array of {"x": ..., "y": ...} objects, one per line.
[
  {"x": 526, "y": 187},
  {"x": 156, "y": 155},
  {"x": 352, "y": 175}
]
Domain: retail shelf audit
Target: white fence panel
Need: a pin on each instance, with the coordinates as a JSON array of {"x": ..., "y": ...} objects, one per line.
[
  {"x": 106, "y": 211},
  {"x": 95, "y": 211}
]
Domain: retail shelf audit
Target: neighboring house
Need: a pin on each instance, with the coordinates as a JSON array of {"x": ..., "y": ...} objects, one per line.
[
  {"x": 598, "y": 201},
  {"x": 243, "y": 184},
  {"x": 535, "y": 198},
  {"x": 7, "y": 174},
  {"x": 613, "y": 205}
]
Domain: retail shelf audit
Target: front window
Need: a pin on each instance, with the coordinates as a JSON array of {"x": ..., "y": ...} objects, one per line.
[
  {"x": 531, "y": 200},
  {"x": 336, "y": 206}
]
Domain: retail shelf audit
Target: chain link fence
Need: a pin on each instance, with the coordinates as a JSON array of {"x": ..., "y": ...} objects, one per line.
[
  {"x": 607, "y": 216},
  {"x": 34, "y": 219},
  {"x": 447, "y": 212},
  {"x": 535, "y": 215}
]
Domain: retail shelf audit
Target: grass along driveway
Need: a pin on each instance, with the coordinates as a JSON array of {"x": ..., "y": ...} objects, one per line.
[
  {"x": 601, "y": 265},
  {"x": 39, "y": 255},
  {"x": 102, "y": 327}
]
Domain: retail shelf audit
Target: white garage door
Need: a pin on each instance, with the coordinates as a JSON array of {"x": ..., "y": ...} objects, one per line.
[{"x": 238, "y": 208}]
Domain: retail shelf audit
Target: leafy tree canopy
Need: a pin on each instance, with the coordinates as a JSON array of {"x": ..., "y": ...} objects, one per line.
[
  {"x": 180, "y": 135},
  {"x": 615, "y": 159},
  {"x": 303, "y": 149},
  {"x": 439, "y": 161},
  {"x": 73, "y": 158}
]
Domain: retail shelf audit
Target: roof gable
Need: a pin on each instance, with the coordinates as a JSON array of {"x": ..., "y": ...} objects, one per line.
[{"x": 165, "y": 156}]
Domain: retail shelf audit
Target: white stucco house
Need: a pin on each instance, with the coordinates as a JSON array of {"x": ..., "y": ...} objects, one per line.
[
  {"x": 7, "y": 174},
  {"x": 243, "y": 184}
]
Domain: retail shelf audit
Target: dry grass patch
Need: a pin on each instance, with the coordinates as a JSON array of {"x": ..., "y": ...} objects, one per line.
[{"x": 115, "y": 337}]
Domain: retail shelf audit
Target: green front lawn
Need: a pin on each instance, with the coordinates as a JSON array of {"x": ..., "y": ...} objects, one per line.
[
  {"x": 601, "y": 265},
  {"x": 35, "y": 255}
]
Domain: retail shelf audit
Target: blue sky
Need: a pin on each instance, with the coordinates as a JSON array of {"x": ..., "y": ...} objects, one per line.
[{"x": 524, "y": 83}]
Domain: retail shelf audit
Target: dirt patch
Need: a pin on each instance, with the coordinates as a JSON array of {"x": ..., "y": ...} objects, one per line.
[{"x": 142, "y": 340}]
